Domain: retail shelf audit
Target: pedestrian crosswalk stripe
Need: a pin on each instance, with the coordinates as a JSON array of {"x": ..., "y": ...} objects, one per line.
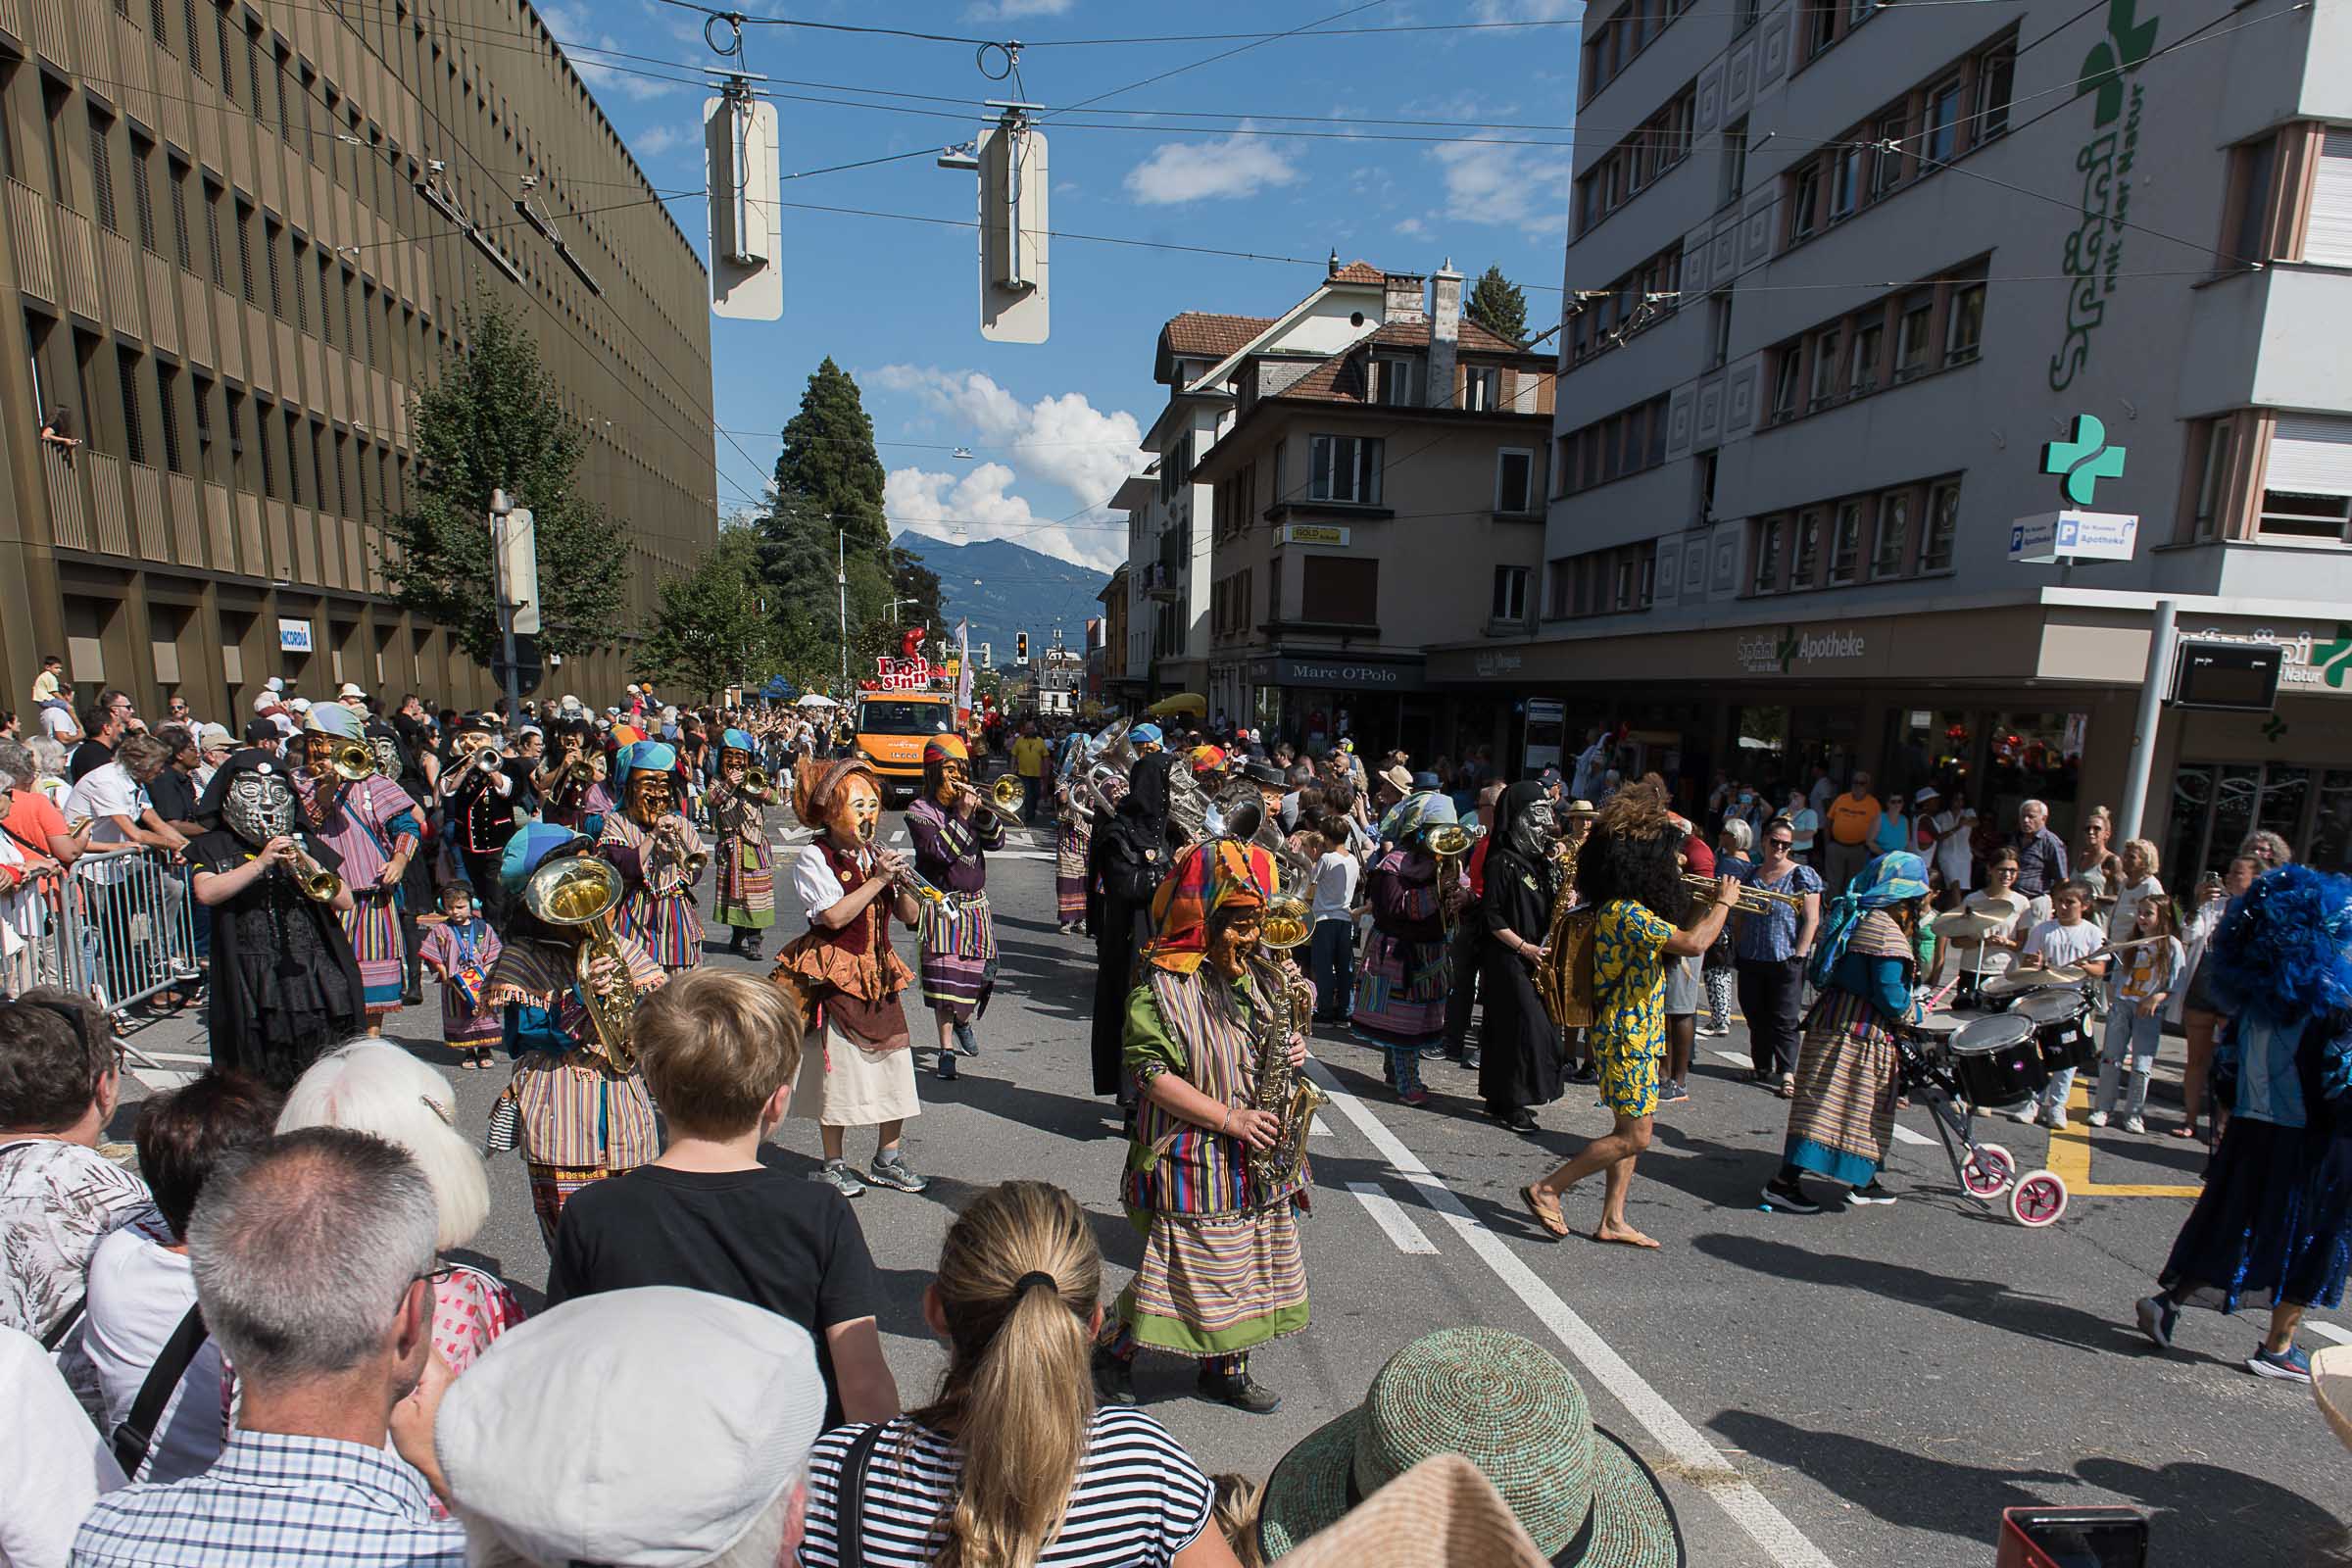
[
  {"x": 1390, "y": 1217},
  {"x": 2328, "y": 1331},
  {"x": 1904, "y": 1134},
  {"x": 1731, "y": 1057}
]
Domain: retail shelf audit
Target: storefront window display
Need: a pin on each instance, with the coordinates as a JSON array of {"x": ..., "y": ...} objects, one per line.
[
  {"x": 2035, "y": 757},
  {"x": 2216, "y": 804}
]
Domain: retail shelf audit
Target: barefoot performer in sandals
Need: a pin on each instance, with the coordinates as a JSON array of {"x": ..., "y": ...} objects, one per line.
[{"x": 1629, "y": 870}]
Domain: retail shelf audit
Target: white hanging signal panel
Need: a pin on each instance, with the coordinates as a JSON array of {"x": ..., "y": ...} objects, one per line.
[
  {"x": 1013, "y": 184},
  {"x": 747, "y": 215}
]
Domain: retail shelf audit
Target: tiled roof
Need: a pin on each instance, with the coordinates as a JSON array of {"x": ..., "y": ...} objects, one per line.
[
  {"x": 1474, "y": 337},
  {"x": 1360, "y": 272},
  {"x": 1203, "y": 335}
]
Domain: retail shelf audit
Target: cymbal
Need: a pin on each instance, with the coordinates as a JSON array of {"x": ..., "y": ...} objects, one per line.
[
  {"x": 2331, "y": 1385},
  {"x": 1966, "y": 925},
  {"x": 2061, "y": 974},
  {"x": 2017, "y": 982}
]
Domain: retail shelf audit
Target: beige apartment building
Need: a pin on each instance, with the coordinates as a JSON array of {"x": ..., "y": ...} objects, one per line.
[
  {"x": 237, "y": 241},
  {"x": 1371, "y": 499}
]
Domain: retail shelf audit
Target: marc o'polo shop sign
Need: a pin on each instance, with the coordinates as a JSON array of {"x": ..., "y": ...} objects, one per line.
[
  {"x": 1350, "y": 675},
  {"x": 1789, "y": 650}
]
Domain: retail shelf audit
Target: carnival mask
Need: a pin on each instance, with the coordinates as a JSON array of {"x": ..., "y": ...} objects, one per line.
[
  {"x": 951, "y": 775},
  {"x": 857, "y": 811},
  {"x": 1231, "y": 942},
  {"x": 318, "y": 752},
  {"x": 1533, "y": 828},
  {"x": 259, "y": 805},
  {"x": 387, "y": 754},
  {"x": 649, "y": 797}
]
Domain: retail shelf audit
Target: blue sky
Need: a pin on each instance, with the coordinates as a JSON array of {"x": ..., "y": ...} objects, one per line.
[{"x": 1051, "y": 427}]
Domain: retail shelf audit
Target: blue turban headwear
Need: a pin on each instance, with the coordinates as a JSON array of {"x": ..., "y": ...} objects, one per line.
[
  {"x": 736, "y": 740},
  {"x": 531, "y": 843},
  {"x": 1895, "y": 877},
  {"x": 652, "y": 756}
]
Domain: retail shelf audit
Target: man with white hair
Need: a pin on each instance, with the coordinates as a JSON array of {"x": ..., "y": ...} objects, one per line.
[
  {"x": 656, "y": 1425},
  {"x": 313, "y": 1255},
  {"x": 2040, "y": 862}
]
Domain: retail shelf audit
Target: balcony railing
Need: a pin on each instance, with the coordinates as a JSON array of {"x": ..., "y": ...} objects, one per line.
[
  {"x": 69, "y": 519},
  {"x": 147, "y": 510},
  {"x": 29, "y": 229}
]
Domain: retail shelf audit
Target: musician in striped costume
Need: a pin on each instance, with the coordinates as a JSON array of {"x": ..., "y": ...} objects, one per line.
[
  {"x": 654, "y": 850},
  {"x": 952, "y": 836},
  {"x": 1864, "y": 964},
  {"x": 745, "y": 898},
  {"x": 1222, "y": 1271},
  {"x": 1073, "y": 837},
  {"x": 372, "y": 825}
]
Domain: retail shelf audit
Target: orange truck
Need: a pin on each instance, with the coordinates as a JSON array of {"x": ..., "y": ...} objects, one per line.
[{"x": 892, "y": 728}]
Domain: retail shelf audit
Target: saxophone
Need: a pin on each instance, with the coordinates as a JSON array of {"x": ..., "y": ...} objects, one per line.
[{"x": 1279, "y": 1087}]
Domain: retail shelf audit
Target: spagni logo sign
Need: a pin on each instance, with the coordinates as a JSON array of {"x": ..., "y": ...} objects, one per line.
[
  {"x": 1768, "y": 655},
  {"x": 2094, "y": 250}
]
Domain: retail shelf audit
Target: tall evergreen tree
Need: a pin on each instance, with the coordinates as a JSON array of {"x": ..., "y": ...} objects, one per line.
[
  {"x": 829, "y": 459},
  {"x": 1497, "y": 304},
  {"x": 492, "y": 421}
]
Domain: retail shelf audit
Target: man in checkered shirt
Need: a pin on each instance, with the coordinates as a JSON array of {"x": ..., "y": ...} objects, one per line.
[{"x": 313, "y": 1254}]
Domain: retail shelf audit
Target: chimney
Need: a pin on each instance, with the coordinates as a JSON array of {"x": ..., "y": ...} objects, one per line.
[
  {"x": 1400, "y": 298},
  {"x": 1444, "y": 333}
]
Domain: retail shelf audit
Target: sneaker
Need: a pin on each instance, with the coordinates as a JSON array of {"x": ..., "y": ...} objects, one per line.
[
  {"x": 2098, "y": 1118},
  {"x": 1584, "y": 1073},
  {"x": 1434, "y": 1051},
  {"x": 1114, "y": 1379},
  {"x": 843, "y": 1180},
  {"x": 2054, "y": 1118},
  {"x": 892, "y": 1171},
  {"x": 947, "y": 1067},
  {"x": 1789, "y": 1199},
  {"x": 2028, "y": 1113},
  {"x": 966, "y": 1042},
  {"x": 1238, "y": 1390},
  {"x": 2158, "y": 1317},
  {"x": 2133, "y": 1124},
  {"x": 1415, "y": 1096},
  {"x": 1875, "y": 1192},
  {"x": 1673, "y": 1093},
  {"x": 2290, "y": 1365},
  {"x": 1472, "y": 1059}
]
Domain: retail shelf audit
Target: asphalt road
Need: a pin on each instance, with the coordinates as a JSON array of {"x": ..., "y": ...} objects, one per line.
[{"x": 1864, "y": 1387}]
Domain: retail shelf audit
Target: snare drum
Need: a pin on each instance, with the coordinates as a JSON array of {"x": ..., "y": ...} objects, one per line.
[
  {"x": 1939, "y": 1027},
  {"x": 1997, "y": 1061},
  {"x": 2059, "y": 1016}
]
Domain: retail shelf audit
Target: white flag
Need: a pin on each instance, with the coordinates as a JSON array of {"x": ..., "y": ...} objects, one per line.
[{"x": 964, "y": 665}]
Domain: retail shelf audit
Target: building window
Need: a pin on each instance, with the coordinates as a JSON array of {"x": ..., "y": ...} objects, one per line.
[
  {"x": 1996, "y": 82},
  {"x": 1804, "y": 195},
  {"x": 1805, "y": 568},
  {"x": 1395, "y": 377},
  {"x": 2304, "y": 514},
  {"x": 1942, "y": 537},
  {"x": 1482, "y": 390},
  {"x": 1886, "y": 161},
  {"x": 2220, "y": 441},
  {"x": 2327, "y": 233},
  {"x": 2253, "y": 169},
  {"x": 1719, "y": 329},
  {"x": 142, "y": 198},
  {"x": 2307, "y": 477},
  {"x": 1786, "y": 378},
  {"x": 1894, "y": 535},
  {"x": 1826, "y": 366},
  {"x": 1510, "y": 593},
  {"x": 269, "y": 248},
  {"x": 1704, "y": 478},
  {"x": 1862, "y": 374},
  {"x": 1939, "y": 136},
  {"x": 134, "y": 437},
  {"x": 183, "y": 245},
  {"x": 1846, "y": 183},
  {"x": 1967, "y": 329},
  {"x": 302, "y": 298},
  {"x": 1768, "y": 554},
  {"x": 1345, "y": 468},
  {"x": 1557, "y": 575},
  {"x": 167, "y": 397},
  {"x": 102, "y": 173},
  {"x": 1912, "y": 336},
  {"x": 1735, "y": 159},
  {"x": 1846, "y": 544},
  {"x": 1821, "y": 25},
  {"x": 1514, "y": 480}
]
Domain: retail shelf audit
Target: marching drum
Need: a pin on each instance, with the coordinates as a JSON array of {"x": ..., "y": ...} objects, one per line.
[
  {"x": 2059, "y": 1016},
  {"x": 1939, "y": 1027},
  {"x": 1997, "y": 1061}
]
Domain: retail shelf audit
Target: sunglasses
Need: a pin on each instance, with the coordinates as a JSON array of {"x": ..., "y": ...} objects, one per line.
[{"x": 1782, "y": 844}]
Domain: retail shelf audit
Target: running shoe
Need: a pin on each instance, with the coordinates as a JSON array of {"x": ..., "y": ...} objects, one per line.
[
  {"x": 892, "y": 1171},
  {"x": 1415, "y": 1096},
  {"x": 2158, "y": 1317},
  {"x": 1473, "y": 1059},
  {"x": 2029, "y": 1113},
  {"x": 947, "y": 1067},
  {"x": 2134, "y": 1124},
  {"x": 2098, "y": 1118},
  {"x": 1789, "y": 1199},
  {"x": 2289, "y": 1365},
  {"x": 965, "y": 1041},
  {"x": 1674, "y": 1094},
  {"x": 1875, "y": 1192},
  {"x": 843, "y": 1180}
]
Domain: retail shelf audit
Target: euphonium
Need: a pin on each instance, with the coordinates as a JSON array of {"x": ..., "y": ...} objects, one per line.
[
  {"x": 1285, "y": 1005},
  {"x": 1450, "y": 843},
  {"x": 580, "y": 892}
]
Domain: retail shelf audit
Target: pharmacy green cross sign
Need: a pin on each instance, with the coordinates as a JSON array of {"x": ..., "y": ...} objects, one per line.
[{"x": 2083, "y": 461}]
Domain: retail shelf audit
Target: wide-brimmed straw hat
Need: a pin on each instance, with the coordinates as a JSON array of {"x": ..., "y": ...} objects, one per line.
[{"x": 1508, "y": 1406}]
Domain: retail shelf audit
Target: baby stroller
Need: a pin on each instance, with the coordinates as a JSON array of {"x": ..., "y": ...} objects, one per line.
[{"x": 1949, "y": 1072}]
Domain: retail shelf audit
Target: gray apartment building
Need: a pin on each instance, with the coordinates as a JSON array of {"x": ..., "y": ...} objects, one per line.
[
  {"x": 235, "y": 245},
  {"x": 1839, "y": 274}
]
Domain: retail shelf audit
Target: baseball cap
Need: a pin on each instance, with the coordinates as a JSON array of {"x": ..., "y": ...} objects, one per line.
[
  {"x": 1927, "y": 792},
  {"x": 654, "y": 1427},
  {"x": 351, "y": 688}
]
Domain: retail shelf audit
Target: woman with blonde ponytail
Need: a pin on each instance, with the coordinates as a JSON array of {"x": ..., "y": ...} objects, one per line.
[{"x": 1013, "y": 1465}]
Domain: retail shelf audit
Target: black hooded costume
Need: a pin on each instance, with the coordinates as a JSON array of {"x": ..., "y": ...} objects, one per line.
[
  {"x": 285, "y": 987},
  {"x": 1126, "y": 859},
  {"x": 1521, "y": 1065}
]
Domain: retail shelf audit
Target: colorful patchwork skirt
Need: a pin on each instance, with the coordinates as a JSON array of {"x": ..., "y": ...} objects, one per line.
[
  {"x": 666, "y": 926},
  {"x": 746, "y": 893},
  {"x": 1844, "y": 1113},
  {"x": 373, "y": 926},
  {"x": 1214, "y": 1286},
  {"x": 1400, "y": 990},
  {"x": 960, "y": 956},
  {"x": 1069, "y": 873}
]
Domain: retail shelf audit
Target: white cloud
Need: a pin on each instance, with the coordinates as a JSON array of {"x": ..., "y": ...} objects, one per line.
[
  {"x": 1413, "y": 228},
  {"x": 1239, "y": 164},
  {"x": 1005, "y": 10},
  {"x": 656, "y": 140},
  {"x": 571, "y": 26},
  {"x": 1063, "y": 441},
  {"x": 1518, "y": 187}
]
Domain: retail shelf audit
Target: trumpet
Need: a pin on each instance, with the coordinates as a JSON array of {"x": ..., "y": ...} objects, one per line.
[
  {"x": 486, "y": 757},
  {"x": 1752, "y": 900},
  {"x": 756, "y": 778},
  {"x": 351, "y": 760},
  {"x": 673, "y": 833},
  {"x": 317, "y": 882}
]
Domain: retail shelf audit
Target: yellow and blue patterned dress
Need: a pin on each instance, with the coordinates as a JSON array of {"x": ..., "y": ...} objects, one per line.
[{"x": 1629, "y": 1015}]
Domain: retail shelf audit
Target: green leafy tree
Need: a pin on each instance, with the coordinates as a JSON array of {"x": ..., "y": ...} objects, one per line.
[
  {"x": 1497, "y": 305},
  {"x": 492, "y": 421},
  {"x": 712, "y": 629}
]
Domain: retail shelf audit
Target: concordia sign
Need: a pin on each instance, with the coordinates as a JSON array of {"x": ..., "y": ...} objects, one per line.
[{"x": 2095, "y": 249}]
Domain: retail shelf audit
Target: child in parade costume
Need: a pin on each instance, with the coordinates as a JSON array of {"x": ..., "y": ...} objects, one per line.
[
  {"x": 857, "y": 1070},
  {"x": 1406, "y": 971},
  {"x": 374, "y": 827},
  {"x": 951, "y": 837},
  {"x": 745, "y": 898},
  {"x": 576, "y": 1114},
  {"x": 657, "y": 855},
  {"x": 462, "y": 950},
  {"x": 284, "y": 986},
  {"x": 2272, "y": 1226},
  {"x": 1222, "y": 1271}
]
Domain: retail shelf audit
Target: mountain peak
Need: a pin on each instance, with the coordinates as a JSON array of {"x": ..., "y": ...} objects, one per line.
[{"x": 1003, "y": 588}]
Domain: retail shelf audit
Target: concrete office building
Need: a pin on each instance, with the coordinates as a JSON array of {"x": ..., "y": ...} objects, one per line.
[
  {"x": 1856, "y": 268},
  {"x": 233, "y": 255}
]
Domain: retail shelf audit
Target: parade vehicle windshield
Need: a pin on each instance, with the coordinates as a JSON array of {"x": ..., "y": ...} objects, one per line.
[{"x": 905, "y": 715}]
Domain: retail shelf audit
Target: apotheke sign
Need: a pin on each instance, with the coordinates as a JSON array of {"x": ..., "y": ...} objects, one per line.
[{"x": 1770, "y": 654}]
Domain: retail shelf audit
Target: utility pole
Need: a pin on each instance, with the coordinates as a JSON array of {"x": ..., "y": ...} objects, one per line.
[
  {"x": 2142, "y": 760},
  {"x": 501, "y": 509},
  {"x": 840, "y": 580}
]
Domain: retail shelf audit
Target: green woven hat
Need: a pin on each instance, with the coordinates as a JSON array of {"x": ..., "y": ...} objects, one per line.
[{"x": 1508, "y": 1406}]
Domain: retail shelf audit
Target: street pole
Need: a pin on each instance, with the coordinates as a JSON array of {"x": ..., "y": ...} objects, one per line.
[
  {"x": 841, "y": 581},
  {"x": 2143, "y": 731},
  {"x": 500, "y": 506}
]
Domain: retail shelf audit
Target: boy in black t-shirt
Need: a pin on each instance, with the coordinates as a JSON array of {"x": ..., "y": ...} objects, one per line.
[{"x": 719, "y": 1049}]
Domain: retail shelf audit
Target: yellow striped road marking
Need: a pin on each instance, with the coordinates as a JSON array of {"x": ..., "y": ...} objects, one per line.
[{"x": 2070, "y": 1159}]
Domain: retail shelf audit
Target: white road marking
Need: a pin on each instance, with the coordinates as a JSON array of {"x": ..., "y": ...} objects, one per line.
[
  {"x": 162, "y": 1082},
  {"x": 1904, "y": 1134},
  {"x": 1320, "y": 1129},
  {"x": 174, "y": 1055},
  {"x": 1731, "y": 1057},
  {"x": 1700, "y": 1461},
  {"x": 2328, "y": 1331},
  {"x": 1390, "y": 1217}
]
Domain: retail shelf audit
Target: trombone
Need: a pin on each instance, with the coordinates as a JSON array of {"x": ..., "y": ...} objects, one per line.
[
  {"x": 1752, "y": 900},
  {"x": 1003, "y": 799}
]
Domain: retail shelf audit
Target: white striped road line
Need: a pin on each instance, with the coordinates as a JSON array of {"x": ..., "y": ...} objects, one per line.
[
  {"x": 1904, "y": 1134},
  {"x": 162, "y": 1082},
  {"x": 1320, "y": 1129},
  {"x": 1731, "y": 1057},
  {"x": 1390, "y": 1217},
  {"x": 1700, "y": 1461},
  {"x": 2328, "y": 1331},
  {"x": 174, "y": 1055}
]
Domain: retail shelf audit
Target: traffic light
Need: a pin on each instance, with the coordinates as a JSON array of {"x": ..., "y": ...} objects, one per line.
[{"x": 1021, "y": 648}]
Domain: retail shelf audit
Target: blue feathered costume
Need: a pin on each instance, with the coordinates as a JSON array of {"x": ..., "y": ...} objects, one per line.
[{"x": 2275, "y": 1222}]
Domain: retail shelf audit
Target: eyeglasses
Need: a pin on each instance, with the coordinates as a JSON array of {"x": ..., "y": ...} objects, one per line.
[
  {"x": 1782, "y": 844},
  {"x": 436, "y": 1276},
  {"x": 2001, "y": 870}
]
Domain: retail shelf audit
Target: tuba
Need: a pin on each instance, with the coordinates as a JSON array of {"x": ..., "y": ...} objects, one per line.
[
  {"x": 579, "y": 892},
  {"x": 1285, "y": 1009}
]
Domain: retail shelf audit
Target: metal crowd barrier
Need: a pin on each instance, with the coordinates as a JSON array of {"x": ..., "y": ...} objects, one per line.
[{"x": 114, "y": 928}]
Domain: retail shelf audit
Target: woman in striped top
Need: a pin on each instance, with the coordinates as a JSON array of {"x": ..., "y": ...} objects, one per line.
[{"x": 1013, "y": 1465}]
